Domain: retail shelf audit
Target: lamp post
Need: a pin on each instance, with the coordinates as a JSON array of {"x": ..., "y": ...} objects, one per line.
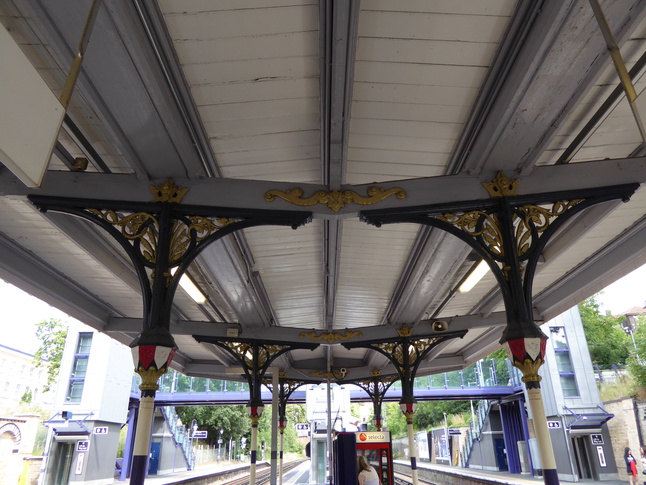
[{"x": 220, "y": 445}]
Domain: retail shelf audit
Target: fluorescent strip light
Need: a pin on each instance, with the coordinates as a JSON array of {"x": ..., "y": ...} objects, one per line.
[
  {"x": 475, "y": 276},
  {"x": 191, "y": 288}
]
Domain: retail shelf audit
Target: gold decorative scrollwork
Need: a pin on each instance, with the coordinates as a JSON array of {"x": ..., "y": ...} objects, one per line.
[
  {"x": 168, "y": 192},
  {"x": 332, "y": 375},
  {"x": 416, "y": 349},
  {"x": 331, "y": 337},
  {"x": 139, "y": 225},
  {"x": 479, "y": 223},
  {"x": 501, "y": 186},
  {"x": 145, "y": 228},
  {"x": 246, "y": 352},
  {"x": 203, "y": 227},
  {"x": 538, "y": 218},
  {"x": 335, "y": 200}
]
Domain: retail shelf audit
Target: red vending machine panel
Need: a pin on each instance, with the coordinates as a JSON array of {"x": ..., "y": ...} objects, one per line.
[{"x": 377, "y": 448}]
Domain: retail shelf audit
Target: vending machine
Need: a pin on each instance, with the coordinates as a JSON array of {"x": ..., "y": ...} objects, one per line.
[{"x": 375, "y": 446}]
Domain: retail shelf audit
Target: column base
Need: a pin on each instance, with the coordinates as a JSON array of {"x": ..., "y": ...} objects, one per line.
[
  {"x": 550, "y": 477},
  {"x": 138, "y": 470}
]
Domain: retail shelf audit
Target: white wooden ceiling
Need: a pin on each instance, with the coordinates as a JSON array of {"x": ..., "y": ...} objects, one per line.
[{"x": 254, "y": 95}]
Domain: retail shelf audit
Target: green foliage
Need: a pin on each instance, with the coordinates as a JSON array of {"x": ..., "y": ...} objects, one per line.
[
  {"x": 52, "y": 334},
  {"x": 430, "y": 414},
  {"x": 607, "y": 341},
  {"x": 233, "y": 420},
  {"x": 291, "y": 443},
  {"x": 27, "y": 397},
  {"x": 637, "y": 365},
  {"x": 395, "y": 420}
]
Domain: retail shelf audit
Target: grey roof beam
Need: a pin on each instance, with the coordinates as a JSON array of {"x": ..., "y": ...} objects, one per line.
[
  {"x": 519, "y": 123},
  {"x": 24, "y": 270},
  {"x": 249, "y": 194}
]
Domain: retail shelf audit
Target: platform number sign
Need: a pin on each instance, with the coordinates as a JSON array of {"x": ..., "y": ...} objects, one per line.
[
  {"x": 302, "y": 429},
  {"x": 553, "y": 424}
]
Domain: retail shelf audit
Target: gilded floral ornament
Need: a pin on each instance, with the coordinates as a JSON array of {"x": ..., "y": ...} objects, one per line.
[
  {"x": 334, "y": 199},
  {"x": 501, "y": 186},
  {"x": 331, "y": 337},
  {"x": 168, "y": 192},
  {"x": 405, "y": 331},
  {"x": 332, "y": 375}
]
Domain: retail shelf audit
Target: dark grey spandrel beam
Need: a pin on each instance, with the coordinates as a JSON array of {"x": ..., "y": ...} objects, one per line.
[
  {"x": 561, "y": 57},
  {"x": 249, "y": 194},
  {"x": 297, "y": 335},
  {"x": 225, "y": 267},
  {"x": 34, "y": 276},
  {"x": 431, "y": 273},
  {"x": 624, "y": 254},
  {"x": 481, "y": 347},
  {"x": 84, "y": 235}
]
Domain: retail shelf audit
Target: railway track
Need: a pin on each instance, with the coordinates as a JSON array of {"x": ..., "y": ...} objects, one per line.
[{"x": 263, "y": 475}]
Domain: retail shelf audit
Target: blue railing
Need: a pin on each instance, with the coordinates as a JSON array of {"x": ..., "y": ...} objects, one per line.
[
  {"x": 180, "y": 435},
  {"x": 486, "y": 373}
]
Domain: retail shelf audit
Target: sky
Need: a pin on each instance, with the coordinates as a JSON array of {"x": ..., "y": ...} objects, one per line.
[{"x": 21, "y": 311}]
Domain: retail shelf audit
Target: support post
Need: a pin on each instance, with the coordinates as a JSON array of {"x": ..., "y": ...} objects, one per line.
[
  {"x": 275, "y": 378},
  {"x": 408, "y": 409},
  {"x": 151, "y": 362},
  {"x": 528, "y": 354},
  {"x": 255, "y": 411}
]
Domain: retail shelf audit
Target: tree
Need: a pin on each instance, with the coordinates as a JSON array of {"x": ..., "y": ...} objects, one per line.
[
  {"x": 607, "y": 341},
  {"x": 232, "y": 420},
  {"x": 637, "y": 365},
  {"x": 430, "y": 414},
  {"x": 52, "y": 334}
]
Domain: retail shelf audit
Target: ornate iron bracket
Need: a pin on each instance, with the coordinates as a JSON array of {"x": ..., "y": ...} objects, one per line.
[
  {"x": 509, "y": 232},
  {"x": 161, "y": 239},
  {"x": 406, "y": 353},
  {"x": 255, "y": 357}
]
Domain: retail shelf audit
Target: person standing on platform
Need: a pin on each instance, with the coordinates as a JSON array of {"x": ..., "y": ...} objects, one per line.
[
  {"x": 631, "y": 466},
  {"x": 367, "y": 474}
]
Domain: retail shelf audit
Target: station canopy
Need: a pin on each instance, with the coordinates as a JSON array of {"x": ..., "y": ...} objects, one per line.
[{"x": 303, "y": 106}]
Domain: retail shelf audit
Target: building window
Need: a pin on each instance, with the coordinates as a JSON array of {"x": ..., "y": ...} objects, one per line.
[
  {"x": 564, "y": 362},
  {"x": 79, "y": 367}
]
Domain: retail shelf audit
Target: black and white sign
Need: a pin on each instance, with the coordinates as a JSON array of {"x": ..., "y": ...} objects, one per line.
[
  {"x": 101, "y": 430},
  {"x": 453, "y": 431},
  {"x": 79, "y": 464},
  {"x": 553, "y": 424},
  {"x": 302, "y": 429},
  {"x": 82, "y": 446},
  {"x": 200, "y": 435},
  {"x": 602, "y": 457},
  {"x": 596, "y": 439}
]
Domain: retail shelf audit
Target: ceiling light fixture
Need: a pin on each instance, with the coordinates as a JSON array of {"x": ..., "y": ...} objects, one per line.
[
  {"x": 191, "y": 288},
  {"x": 475, "y": 276}
]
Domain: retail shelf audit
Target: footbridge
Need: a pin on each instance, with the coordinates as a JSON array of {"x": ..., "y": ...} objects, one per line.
[{"x": 486, "y": 379}]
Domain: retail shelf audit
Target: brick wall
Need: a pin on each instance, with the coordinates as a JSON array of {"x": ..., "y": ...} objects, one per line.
[{"x": 623, "y": 431}]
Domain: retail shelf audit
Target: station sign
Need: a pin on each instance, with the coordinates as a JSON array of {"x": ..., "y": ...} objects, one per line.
[
  {"x": 373, "y": 436},
  {"x": 302, "y": 429},
  {"x": 200, "y": 435},
  {"x": 454, "y": 431},
  {"x": 100, "y": 430},
  {"x": 82, "y": 446}
]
